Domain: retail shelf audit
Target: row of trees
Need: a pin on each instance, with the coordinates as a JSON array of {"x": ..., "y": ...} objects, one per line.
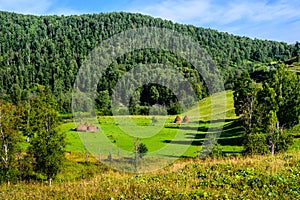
[
  {"x": 267, "y": 109},
  {"x": 30, "y": 143}
]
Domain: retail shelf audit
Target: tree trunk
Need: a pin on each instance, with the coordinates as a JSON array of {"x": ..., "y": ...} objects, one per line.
[
  {"x": 50, "y": 181},
  {"x": 5, "y": 147},
  {"x": 272, "y": 149},
  {"x": 99, "y": 153},
  {"x": 251, "y": 111},
  {"x": 135, "y": 155}
]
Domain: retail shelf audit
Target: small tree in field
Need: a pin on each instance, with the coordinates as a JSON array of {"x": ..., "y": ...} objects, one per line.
[
  {"x": 142, "y": 150},
  {"x": 139, "y": 151},
  {"x": 47, "y": 144}
]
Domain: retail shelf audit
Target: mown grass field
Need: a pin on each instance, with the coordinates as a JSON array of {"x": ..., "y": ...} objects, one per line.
[
  {"x": 122, "y": 130},
  {"x": 163, "y": 137}
]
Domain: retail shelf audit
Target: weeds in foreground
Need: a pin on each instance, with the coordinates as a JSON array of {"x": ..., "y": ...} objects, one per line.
[{"x": 258, "y": 177}]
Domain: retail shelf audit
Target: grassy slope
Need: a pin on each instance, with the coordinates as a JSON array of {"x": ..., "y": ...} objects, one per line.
[
  {"x": 118, "y": 130},
  {"x": 158, "y": 135}
]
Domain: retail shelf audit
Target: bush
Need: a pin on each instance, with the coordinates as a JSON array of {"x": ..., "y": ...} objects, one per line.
[
  {"x": 9, "y": 174},
  {"x": 139, "y": 110},
  {"x": 121, "y": 111},
  {"x": 216, "y": 152},
  {"x": 174, "y": 109},
  {"x": 255, "y": 143},
  {"x": 154, "y": 120},
  {"x": 282, "y": 140}
]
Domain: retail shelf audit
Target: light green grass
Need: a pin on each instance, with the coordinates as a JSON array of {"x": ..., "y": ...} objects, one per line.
[{"x": 117, "y": 133}]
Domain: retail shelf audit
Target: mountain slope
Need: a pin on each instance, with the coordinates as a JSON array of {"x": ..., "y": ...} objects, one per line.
[{"x": 49, "y": 50}]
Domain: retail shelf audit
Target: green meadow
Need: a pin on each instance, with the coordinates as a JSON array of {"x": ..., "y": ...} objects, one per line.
[{"x": 119, "y": 132}]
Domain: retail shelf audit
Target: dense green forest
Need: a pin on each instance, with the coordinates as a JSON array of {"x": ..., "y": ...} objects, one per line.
[{"x": 48, "y": 51}]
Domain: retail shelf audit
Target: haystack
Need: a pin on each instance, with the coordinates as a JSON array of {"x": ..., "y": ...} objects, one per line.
[
  {"x": 177, "y": 119},
  {"x": 186, "y": 119},
  {"x": 92, "y": 128},
  {"x": 81, "y": 127}
]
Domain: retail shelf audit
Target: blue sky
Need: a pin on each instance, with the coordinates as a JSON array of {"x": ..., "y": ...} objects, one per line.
[{"x": 265, "y": 19}]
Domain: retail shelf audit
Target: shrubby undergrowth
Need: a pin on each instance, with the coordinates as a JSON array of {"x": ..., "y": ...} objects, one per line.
[{"x": 259, "y": 177}]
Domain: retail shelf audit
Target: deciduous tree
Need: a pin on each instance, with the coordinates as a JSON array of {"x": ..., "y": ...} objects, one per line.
[
  {"x": 9, "y": 140},
  {"x": 47, "y": 144}
]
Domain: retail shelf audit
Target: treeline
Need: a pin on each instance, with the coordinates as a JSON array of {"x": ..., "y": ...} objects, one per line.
[{"x": 49, "y": 50}]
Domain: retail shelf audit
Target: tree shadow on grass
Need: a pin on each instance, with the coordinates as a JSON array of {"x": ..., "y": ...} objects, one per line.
[
  {"x": 232, "y": 133},
  {"x": 184, "y": 142},
  {"x": 173, "y": 156},
  {"x": 236, "y": 141},
  {"x": 212, "y": 121},
  {"x": 204, "y": 126},
  {"x": 196, "y": 136}
]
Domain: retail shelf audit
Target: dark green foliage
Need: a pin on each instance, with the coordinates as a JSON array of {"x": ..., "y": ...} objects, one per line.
[
  {"x": 286, "y": 85},
  {"x": 279, "y": 98},
  {"x": 139, "y": 110},
  {"x": 268, "y": 109},
  {"x": 10, "y": 138},
  {"x": 174, "y": 109},
  {"x": 49, "y": 50},
  {"x": 297, "y": 50},
  {"x": 47, "y": 143},
  {"x": 26, "y": 168},
  {"x": 256, "y": 143},
  {"x": 216, "y": 152},
  {"x": 211, "y": 147},
  {"x": 282, "y": 140},
  {"x": 142, "y": 150},
  {"x": 103, "y": 103},
  {"x": 243, "y": 94}
]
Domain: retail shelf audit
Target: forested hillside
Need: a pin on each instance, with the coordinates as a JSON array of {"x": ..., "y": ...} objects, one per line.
[{"x": 47, "y": 51}]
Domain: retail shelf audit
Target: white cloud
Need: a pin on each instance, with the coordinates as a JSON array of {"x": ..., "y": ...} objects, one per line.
[
  {"x": 266, "y": 19},
  {"x": 177, "y": 10},
  {"x": 221, "y": 12},
  {"x": 262, "y": 11},
  {"x": 64, "y": 11},
  {"x": 25, "y": 6}
]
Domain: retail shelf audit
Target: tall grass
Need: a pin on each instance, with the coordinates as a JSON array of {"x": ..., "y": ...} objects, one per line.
[{"x": 258, "y": 177}]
